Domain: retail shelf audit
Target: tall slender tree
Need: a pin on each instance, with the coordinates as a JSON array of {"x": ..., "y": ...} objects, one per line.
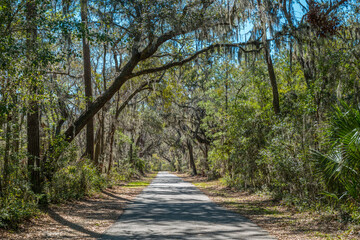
[
  {"x": 87, "y": 78},
  {"x": 268, "y": 59},
  {"x": 33, "y": 115}
]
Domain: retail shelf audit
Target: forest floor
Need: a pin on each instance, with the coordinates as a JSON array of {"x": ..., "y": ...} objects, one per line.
[
  {"x": 82, "y": 219},
  {"x": 281, "y": 221}
]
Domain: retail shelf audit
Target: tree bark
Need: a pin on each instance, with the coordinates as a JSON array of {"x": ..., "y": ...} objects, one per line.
[
  {"x": 87, "y": 80},
  {"x": 33, "y": 115},
  {"x": 97, "y": 145},
  {"x": 16, "y": 128},
  {"x": 191, "y": 157},
  {"x": 6, "y": 169},
  {"x": 102, "y": 125},
  {"x": 272, "y": 76},
  {"x": 66, "y": 33},
  {"x": 111, "y": 150},
  {"x": 269, "y": 63},
  {"x": 131, "y": 154},
  {"x": 206, "y": 157}
]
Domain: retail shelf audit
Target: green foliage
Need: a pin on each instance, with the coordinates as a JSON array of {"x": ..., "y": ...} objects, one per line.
[
  {"x": 140, "y": 165},
  {"x": 256, "y": 150},
  {"x": 222, "y": 106},
  {"x": 75, "y": 181},
  {"x": 134, "y": 169},
  {"x": 16, "y": 204},
  {"x": 340, "y": 167}
]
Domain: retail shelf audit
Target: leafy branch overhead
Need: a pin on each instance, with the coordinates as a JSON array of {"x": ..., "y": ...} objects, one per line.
[{"x": 262, "y": 94}]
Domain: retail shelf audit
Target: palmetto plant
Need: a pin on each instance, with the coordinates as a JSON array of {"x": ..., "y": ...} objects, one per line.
[{"x": 340, "y": 167}]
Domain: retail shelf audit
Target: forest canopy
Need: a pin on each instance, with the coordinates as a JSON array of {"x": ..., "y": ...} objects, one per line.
[{"x": 262, "y": 93}]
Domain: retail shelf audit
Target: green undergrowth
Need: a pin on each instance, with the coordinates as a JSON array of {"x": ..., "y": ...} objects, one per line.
[
  {"x": 289, "y": 212},
  {"x": 343, "y": 212},
  {"x": 218, "y": 188},
  {"x": 75, "y": 181},
  {"x": 71, "y": 182},
  {"x": 16, "y": 206}
]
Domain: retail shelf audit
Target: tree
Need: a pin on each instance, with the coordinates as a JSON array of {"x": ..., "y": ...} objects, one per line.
[
  {"x": 142, "y": 54},
  {"x": 33, "y": 116},
  {"x": 171, "y": 84},
  {"x": 87, "y": 79}
]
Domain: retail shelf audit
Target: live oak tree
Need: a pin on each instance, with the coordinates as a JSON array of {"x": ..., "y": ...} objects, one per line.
[
  {"x": 145, "y": 45},
  {"x": 237, "y": 89}
]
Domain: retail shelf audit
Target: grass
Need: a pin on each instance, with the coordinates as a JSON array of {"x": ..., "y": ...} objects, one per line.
[
  {"x": 137, "y": 184},
  {"x": 144, "y": 182}
]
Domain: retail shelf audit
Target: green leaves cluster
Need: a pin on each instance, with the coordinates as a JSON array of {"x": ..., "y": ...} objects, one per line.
[{"x": 340, "y": 167}]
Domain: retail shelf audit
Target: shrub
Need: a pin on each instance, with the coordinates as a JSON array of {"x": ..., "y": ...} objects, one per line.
[
  {"x": 75, "y": 181},
  {"x": 17, "y": 204},
  {"x": 340, "y": 167}
]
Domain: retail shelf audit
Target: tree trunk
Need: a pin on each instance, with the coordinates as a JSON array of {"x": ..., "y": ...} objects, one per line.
[
  {"x": 111, "y": 149},
  {"x": 97, "y": 145},
  {"x": 275, "y": 92},
  {"x": 33, "y": 115},
  {"x": 33, "y": 146},
  {"x": 131, "y": 154},
  {"x": 102, "y": 123},
  {"x": 16, "y": 128},
  {"x": 206, "y": 157},
  {"x": 66, "y": 34},
  {"x": 87, "y": 80},
  {"x": 124, "y": 75},
  {"x": 191, "y": 158},
  {"x": 6, "y": 172},
  {"x": 269, "y": 63}
]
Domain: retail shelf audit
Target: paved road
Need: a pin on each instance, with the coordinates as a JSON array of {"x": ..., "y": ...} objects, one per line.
[{"x": 170, "y": 208}]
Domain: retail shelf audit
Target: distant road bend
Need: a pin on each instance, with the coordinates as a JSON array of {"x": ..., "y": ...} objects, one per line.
[{"x": 170, "y": 208}]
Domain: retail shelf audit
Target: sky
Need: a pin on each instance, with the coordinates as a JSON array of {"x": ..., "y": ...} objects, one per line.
[{"x": 298, "y": 14}]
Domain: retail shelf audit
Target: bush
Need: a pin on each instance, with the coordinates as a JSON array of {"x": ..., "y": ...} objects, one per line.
[
  {"x": 17, "y": 204},
  {"x": 75, "y": 181}
]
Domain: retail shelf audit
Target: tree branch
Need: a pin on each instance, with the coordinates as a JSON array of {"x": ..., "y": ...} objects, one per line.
[
  {"x": 336, "y": 5},
  {"x": 66, "y": 74},
  {"x": 195, "y": 55}
]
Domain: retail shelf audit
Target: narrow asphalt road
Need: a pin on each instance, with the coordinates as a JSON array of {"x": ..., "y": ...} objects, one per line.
[{"x": 170, "y": 208}]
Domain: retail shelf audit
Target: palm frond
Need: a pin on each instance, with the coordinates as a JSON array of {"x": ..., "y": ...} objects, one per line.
[
  {"x": 345, "y": 125},
  {"x": 340, "y": 167},
  {"x": 330, "y": 166}
]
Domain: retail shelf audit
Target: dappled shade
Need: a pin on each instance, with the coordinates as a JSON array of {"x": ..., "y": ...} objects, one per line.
[{"x": 173, "y": 209}]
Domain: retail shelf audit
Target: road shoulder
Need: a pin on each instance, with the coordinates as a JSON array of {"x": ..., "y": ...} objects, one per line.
[
  {"x": 83, "y": 219},
  {"x": 281, "y": 221}
]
